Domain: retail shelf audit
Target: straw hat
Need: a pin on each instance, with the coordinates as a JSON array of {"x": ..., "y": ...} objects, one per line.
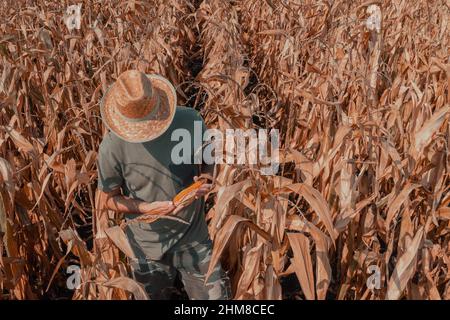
[{"x": 139, "y": 107}]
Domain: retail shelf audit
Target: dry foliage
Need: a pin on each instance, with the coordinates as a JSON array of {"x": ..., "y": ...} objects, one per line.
[{"x": 363, "y": 116}]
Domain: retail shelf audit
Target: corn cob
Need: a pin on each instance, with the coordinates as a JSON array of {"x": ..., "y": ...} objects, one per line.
[{"x": 186, "y": 196}]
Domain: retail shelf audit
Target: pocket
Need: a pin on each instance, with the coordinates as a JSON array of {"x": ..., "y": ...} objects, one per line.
[{"x": 196, "y": 259}]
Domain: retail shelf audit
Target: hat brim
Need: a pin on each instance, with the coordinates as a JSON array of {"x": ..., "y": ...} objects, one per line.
[{"x": 146, "y": 130}]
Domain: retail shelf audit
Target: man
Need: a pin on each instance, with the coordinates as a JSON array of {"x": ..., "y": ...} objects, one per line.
[{"x": 139, "y": 176}]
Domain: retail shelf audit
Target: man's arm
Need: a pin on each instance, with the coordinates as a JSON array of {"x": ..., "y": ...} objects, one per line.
[
  {"x": 118, "y": 202},
  {"x": 206, "y": 171}
]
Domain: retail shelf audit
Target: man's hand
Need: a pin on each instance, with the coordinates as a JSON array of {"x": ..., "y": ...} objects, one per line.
[
  {"x": 157, "y": 207},
  {"x": 150, "y": 212},
  {"x": 160, "y": 208},
  {"x": 117, "y": 202},
  {"x": 203, "y": 190}
]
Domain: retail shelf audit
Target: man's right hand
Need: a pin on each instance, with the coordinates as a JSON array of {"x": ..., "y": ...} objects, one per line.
[
  {"x": 117, "y": 202},
  {"x": 157, "y": 207}
]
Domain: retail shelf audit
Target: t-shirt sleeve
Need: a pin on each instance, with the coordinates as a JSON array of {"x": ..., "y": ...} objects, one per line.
[{"x": 109, "y": 171}]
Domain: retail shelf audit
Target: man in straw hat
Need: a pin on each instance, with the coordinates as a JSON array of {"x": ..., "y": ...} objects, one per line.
[{"x": 137, "y": 173}]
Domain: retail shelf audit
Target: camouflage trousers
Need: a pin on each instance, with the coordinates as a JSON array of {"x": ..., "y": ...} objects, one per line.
[{"x": 158, "y": 277}]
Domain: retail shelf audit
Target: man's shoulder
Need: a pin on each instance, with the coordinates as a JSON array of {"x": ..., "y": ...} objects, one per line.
[
  {"x": 110, "y": 142},
  {"x": 189, "y": 113}
]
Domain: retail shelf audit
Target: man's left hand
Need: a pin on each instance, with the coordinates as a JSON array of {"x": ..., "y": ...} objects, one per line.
[{"x": 203, "y": 190}]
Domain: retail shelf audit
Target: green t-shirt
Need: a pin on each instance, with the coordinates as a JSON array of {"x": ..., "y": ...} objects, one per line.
[{"x": 146, "y": 171}]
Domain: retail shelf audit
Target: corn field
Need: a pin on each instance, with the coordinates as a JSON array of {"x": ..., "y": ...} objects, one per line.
[{"x": 359, "y": 91}]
